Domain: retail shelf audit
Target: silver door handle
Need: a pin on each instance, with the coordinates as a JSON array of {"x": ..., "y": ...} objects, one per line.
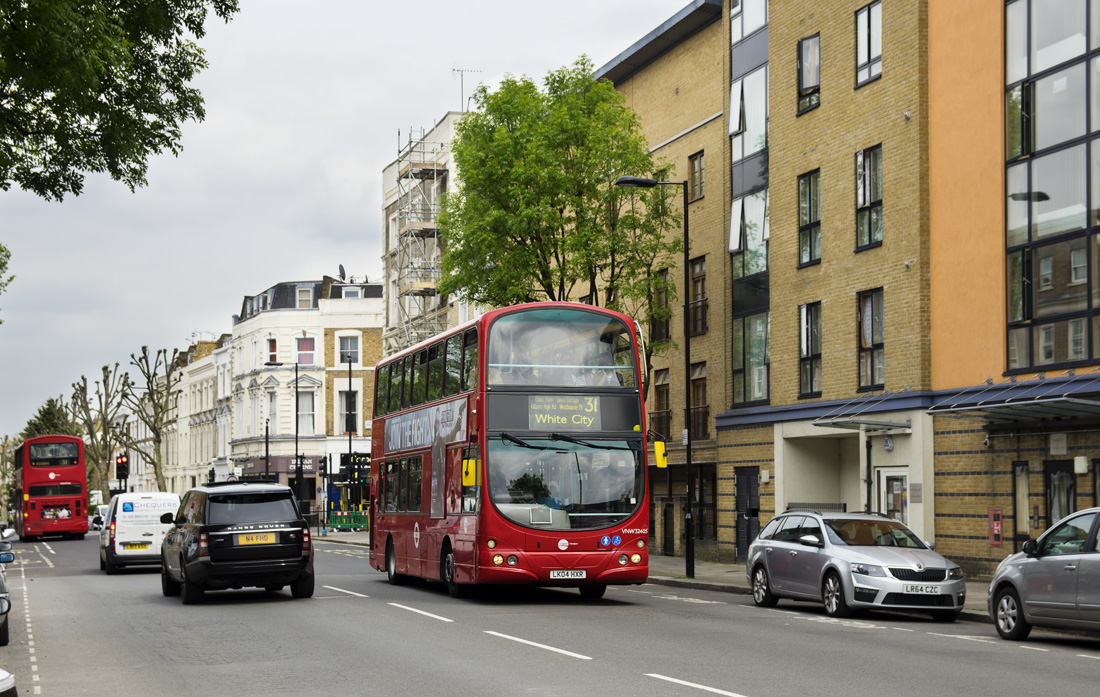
[
  {"x": 794, "y": 553},
  {"x": 768, "y": 550},
  {"x": 1069, "y": 567}
]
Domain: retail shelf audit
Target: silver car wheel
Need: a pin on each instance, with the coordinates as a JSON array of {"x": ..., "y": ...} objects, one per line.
[
  {"x": 759, "y": 585},
  {"x": 1007, "y": 613},
  {"x": 833, "y": 595}
]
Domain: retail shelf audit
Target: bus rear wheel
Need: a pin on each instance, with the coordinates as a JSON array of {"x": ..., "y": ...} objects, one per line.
[
  {"x": 593, "y": 591},
  {"x": 454, "y": 589},
  {"x": 392, "y": 576}
]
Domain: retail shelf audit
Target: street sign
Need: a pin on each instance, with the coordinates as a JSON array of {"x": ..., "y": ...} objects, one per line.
[{"x": 231, "y": 478}]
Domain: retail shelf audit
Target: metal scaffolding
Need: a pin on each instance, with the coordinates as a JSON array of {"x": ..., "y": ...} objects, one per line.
[{"x": 421, "y": 182}]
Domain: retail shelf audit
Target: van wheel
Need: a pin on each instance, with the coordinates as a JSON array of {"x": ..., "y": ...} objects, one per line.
[
  {"x": 392, "y": 576},
  {"x": 303, "y": 587},
  {"x": 168, "y": 587},
  {"x": 110, "y": 567},
  {"x": 192, "y": 592},
  {"x": 102, "y": 564}
]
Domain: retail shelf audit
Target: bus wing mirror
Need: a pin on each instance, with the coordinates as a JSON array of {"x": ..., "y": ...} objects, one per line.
[
  {"x": 471, "y": 470},
  {"x": 659, "y": 455}
]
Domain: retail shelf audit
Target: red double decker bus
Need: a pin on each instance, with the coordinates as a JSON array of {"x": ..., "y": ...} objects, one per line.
[
  {"x": 51, "y": 482},
  {"x": 512, "y": 450}
]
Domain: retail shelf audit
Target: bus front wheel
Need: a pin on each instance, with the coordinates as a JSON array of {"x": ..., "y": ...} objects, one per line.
[{"x": 593, "y": 591}]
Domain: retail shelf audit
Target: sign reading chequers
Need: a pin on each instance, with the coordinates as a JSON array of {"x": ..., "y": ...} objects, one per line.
[
  {"x": 570, "y": 412},
  {"x": 426, "y": 427}
]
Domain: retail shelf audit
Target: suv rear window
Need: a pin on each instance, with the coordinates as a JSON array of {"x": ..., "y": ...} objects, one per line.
[{"x": 250, "y": 508}]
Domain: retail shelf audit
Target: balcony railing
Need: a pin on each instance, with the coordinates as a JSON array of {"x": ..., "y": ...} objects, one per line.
[{"x": 661, "y": 422}]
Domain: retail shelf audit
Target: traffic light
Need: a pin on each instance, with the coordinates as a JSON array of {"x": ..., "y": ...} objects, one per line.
[
  {"x": 122, "y": 466},
  {"x": 324, "y": 463},
  {"x": 213, "y": 475}
]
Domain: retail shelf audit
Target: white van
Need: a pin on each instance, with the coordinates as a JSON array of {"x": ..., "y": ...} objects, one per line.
[{"x": 132, "y": 531}]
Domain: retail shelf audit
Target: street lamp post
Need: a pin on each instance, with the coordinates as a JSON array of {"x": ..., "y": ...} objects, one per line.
[
  {"x": 689, "y": 524},
  {"x": 267, "y": 447},
  {"x": 297, "y": 457}
]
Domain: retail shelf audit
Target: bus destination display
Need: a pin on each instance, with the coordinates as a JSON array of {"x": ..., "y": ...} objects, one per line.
[{"x": 571, "y": 412}]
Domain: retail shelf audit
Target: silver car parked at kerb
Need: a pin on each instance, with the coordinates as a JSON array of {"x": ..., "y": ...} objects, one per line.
[
  {"x": 852, "y": 561},
  {"x": 1053, "y": 582}
]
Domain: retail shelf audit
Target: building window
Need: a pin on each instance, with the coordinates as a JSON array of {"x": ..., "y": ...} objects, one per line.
[
  {"x": 869, "y": 43},
  {"x": 305, "y": 412},
  {"x": 698, "y": 413},
  {"x": 746, "y": 16},
  {"x": 809, "y": 218},
  {"x": 273, "y": 412},
  {"x": 349, "y": 349},
  {"x": 305, "y": 350},
  {"x": 749, "y": 234},
  {"x": 272, "y": 350},
  {"x": 351, "y": 291},
  {"x": 748, "y": 127},
  {"x": 809, "y": 73},
  {"x": 872, "y": 355},
  {"x": 751, "y": 358},
  {"x": 659, "y": 323},
  {"x": 697, "y": 307},
  {"x": 810, "y": 350},
  {"x": 660, "y": 420},
  {"x": 347, "y": 417},
  {"x": 695, "y": 165},
  {"x": 869, "y": 197},
  {"x": 305, "y": 298}
]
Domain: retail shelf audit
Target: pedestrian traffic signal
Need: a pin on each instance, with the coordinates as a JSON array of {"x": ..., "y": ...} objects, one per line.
[{"x": 122, "y": 466}]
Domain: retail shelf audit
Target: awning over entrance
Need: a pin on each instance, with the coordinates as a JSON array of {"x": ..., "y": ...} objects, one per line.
[
  {"x": 870, "y": 413},
  {"x": 1064, "y": 398}
]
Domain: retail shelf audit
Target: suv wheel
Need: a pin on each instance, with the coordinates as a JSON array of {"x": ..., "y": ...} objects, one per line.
[
  {"x": 833, "y": 595},
  {"x": 192, "y": 592},
  {"x": 168, "y": 587},
  {"x": 303, "y": 587},
  {"x": 1009, "y": 615},
  {"x": 761, "y": 591}
]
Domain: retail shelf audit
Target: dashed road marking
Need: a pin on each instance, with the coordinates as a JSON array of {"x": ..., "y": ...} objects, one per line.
[
  {"x": 540, "y": 646},
  {"x": 341, "y": 590},
  {"x": 421, "y": 612},
  {"x": 685, "y": 683}
]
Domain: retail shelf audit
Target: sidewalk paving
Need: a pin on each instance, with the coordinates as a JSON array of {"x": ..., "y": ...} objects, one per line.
[{"x": 712, "y": 576}]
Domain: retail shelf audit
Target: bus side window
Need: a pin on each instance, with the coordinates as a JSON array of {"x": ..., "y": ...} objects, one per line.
[
  {"x": 381, "y": 390},
  {"x": 390, "y": 487},
  {"x": 416, "y": 483},
  {"x": 469, "y": 361},
  {"x": 396, "y": 380},
  {"x": 453, "y": 366},
  {"x": 419, "y": 378},
  {"x": 435, "y": 371},
  {"x": 405, "y": 388},
  {"x": 403, "y": 485}
]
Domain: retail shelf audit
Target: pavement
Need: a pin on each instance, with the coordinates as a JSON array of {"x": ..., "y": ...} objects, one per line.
[{"x": 711, "y": 576}]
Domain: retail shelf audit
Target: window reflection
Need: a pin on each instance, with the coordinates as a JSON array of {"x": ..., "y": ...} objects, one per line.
[
  {"x": 1057, "y": 32},
  {"x": 1060, "y": 177},
  {"x": 1060, "y": 107}
]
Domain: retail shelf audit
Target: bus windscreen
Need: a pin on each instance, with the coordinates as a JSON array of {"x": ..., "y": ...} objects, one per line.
[{"x": 54, "y": 454}]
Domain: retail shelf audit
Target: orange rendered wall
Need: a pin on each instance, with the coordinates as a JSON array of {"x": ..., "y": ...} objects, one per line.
[{"x": 966, "y": 170}]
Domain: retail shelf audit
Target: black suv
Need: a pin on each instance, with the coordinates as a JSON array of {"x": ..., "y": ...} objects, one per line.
[{"x": 233, "y": 535}]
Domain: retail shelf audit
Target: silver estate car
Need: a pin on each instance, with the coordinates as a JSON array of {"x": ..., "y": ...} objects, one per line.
[
  {"x": 1053, "y": 582},
  {"x": 852, "y": 561}
]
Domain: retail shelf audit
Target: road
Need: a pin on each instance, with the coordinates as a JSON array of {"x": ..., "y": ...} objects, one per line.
[{"x": 77, "y": 631}]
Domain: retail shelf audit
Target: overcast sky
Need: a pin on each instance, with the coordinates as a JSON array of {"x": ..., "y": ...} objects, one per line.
[{"x": 282, "y": 181}]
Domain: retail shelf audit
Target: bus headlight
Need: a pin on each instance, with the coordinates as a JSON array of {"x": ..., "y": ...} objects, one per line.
[
  {"x": 622, "y": 560},
  {"x": 491, "y": 544},
  {"x": 498, "y": 559},
  {"x": 636, "y": 558},
  {"x": 512, "y": 560}
]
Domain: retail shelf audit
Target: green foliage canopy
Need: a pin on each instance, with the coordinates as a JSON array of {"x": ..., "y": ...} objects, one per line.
[
  {"x": 53, "y": 417},
  {"x": 536, "y": 215},
  {"x": 96, "y": 87}
]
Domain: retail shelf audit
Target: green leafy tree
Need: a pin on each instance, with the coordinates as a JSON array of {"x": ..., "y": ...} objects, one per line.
[
  {"x": 536, "y": 215},
  {"x": 96, "y": 87},
  {"x": 53, "y": 417},
  {"x": 5, "y": 256},
  {"x": 151, "y": 404},
  {"x": 96, "y": 412}
]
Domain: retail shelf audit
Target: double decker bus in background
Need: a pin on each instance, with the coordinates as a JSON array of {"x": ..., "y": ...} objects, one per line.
[
  {"x": 512, "y": 450},
  {"x": 51, "y": 482}
]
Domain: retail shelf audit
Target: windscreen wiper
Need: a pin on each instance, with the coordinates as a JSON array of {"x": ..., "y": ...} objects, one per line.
[
  {"x": 521, "y": 443},
  {"x": 594, "y": 446}
]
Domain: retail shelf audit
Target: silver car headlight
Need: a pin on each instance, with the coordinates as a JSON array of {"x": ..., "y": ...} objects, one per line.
[
  {"x": 868, "y": 570},
  {"x": 956, "y": 574}
]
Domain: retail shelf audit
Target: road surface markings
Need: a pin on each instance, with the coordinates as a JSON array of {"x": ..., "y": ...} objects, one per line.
[
  {"x": 689, "y": 600},
  {"x": 712, "y": 690},
  {"x": 341, "y": 590},
  {"x": 902, "y": 629},
  {"x": 1085, "y": 655},
  {"x": 421, "y": 612},
  {"x": 44, "y": 557},
  {"x": 965, "y": 637},
  {"x": 1034, "y": 648},
  {"x": 540, "y": 646}
]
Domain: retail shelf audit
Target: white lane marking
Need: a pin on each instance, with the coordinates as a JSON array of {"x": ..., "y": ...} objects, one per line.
[
  {"x": 712, "y": 690},
  {"x": 341, "y": 590},
  {"x": 540, "y": 646},
  {"x": 901, "y": 629},
  {"x": 689, "y": 600},
  {"x": 47, "y": 546},
  {"x": 965, "y": 637},
  {"x": 1034, "y": 648},
  {"x": 44, "y": 557},
  {"x": 421, "y": 612},
  {"x": 1085, "y": 655}
]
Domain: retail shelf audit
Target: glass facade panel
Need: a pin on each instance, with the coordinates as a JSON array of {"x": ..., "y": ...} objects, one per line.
[
  {"x": 754, "y": 122},
  {"x": 1015, "y": 41},
  {"x": 1057, "y": 32},
  {"x": 1058, "y": 193},
  {"x": 1019, "y": 356},
  {"x": 1059, "y": 342},
  {"x": 1059, "y": 107},
  {"x": 1094, "y": 92},
  {"x": 1016, "y": 212},
  {"x": 1055, "y": 290}
]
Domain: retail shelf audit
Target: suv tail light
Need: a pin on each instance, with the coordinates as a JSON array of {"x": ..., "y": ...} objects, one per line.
[
  {"x": 204, "y": 546},
  {"x": 307, "y": 546}
]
